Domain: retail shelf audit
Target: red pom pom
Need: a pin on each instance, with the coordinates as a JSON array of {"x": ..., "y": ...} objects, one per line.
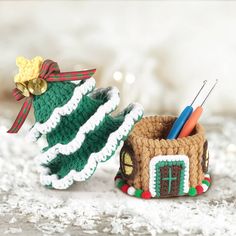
[
  {"x": 199, "y": 189},
  {"x": 146, "y": 195},
  {"x": 207, "y": 179},
  {"x": 124, "y": 188}
]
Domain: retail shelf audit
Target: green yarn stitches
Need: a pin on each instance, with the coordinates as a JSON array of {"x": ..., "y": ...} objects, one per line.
[
  {"x": 69, "y": 125},
  {"x": 94, "y": 142},
  {"x": 57, "y": 95},
  {"x": 169, "y": 164},
  {"x": 74, "y": 129}
]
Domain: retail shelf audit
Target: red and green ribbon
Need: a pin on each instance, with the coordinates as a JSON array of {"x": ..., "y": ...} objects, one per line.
[{"x": 51, "y": 73}]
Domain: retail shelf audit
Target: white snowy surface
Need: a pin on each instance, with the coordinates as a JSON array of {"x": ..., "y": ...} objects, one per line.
[{"x": 97, "y": 207}]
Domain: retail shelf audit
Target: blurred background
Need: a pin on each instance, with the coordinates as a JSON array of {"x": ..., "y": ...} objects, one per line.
[{"x": 156, "y": 53}]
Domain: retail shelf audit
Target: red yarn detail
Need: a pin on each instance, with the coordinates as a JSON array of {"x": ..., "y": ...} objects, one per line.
[
  {"x": 124, "y": 188},
  {"x": 117, "y": 177},
  {"x": 146, "y": 195},
  {"x": 207, "y": 179},
  {"x": 199, "y": 189}
]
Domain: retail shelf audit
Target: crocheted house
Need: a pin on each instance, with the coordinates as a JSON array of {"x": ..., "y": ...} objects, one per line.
[{"x": 154, "y": 167}]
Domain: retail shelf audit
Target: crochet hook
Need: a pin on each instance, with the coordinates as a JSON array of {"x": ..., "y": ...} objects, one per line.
[
  {"x": 185, "y": 114},
  {"x": 193, "y": 119}
]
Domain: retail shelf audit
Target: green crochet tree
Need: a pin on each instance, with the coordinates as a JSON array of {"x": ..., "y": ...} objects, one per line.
[
  {"x": 74, "y": 117},
  {"x": 79, "y": 129}
]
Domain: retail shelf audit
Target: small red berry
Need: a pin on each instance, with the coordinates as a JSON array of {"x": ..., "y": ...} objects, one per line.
[
  {"x": 146, "y": 195},
  {"x": 124, "y": 188},
  {"x": 199, "y": 189},
  {"x": 207, "y": 179}
]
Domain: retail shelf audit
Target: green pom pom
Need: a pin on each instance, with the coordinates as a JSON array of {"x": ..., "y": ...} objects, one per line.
[
  {"x": 138, "y": 193},
  {"x": 120, "y": 183},
  {"x": 192, "y": 192},
  {"x": 206, "y": 182}
]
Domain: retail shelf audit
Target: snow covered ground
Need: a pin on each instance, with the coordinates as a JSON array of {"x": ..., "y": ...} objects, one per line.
[{"x": 97, "y": 207}]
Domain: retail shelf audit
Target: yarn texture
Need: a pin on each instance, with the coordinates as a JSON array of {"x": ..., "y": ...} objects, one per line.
[
  {"x": 80, "y": 132},
  {"x": 162, "y": 167}
]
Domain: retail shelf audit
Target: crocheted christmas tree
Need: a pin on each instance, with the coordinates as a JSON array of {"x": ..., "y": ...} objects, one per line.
[
  {"x": 79, "y": 129},
  {"x": 74, "y": 117}
]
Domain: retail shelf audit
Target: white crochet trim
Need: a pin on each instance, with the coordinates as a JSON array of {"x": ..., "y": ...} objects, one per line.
[
  {"x": 38, "y": 129},
  {"x": 113, "y": 100},
  {"x": 168, "y": 158},
  {"x": 131, "y": 118}
]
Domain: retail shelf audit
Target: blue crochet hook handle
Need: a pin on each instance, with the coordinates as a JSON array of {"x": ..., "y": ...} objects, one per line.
[{"x": 179, "y": 123}]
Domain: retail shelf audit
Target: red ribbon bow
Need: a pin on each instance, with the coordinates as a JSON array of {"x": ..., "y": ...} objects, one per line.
[{"x": 51, "y": 73}]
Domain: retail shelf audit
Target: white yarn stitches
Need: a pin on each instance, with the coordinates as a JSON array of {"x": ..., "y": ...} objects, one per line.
[
  {"x": 90, "y": 124},
  {"x": 38, "y": 129},
  {"x": 134, "y": 115}
]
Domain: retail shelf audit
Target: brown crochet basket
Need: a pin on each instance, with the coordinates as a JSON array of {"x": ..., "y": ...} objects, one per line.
[{"x": 152, "y": 166}]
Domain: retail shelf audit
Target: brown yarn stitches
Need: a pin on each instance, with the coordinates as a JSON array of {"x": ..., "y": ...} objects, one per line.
[{"x": 148, "y": 140}]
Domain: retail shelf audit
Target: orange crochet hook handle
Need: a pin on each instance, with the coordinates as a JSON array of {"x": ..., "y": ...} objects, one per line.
[
  {"x": 193, "y": 119},
  {"x": 191, "y": 122}
]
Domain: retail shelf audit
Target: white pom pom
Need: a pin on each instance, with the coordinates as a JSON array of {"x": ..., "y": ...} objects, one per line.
[
  {"x": 207, "y": 176},
  {"x": 131, "y": 191},
  {"x": 205, "y": 187}
]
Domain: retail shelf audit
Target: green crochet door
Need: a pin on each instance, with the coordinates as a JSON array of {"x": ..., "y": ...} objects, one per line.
[{"x": 168, "y": 175}]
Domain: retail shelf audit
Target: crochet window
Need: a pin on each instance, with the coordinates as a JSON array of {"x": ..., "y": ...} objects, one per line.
[{"x": 127, "y": 162}]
